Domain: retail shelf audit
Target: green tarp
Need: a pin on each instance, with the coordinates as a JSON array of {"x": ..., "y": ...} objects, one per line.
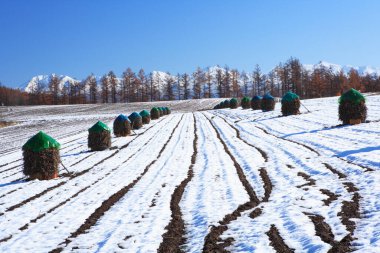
[
  {"x": 289, "y": 96},
  {"x": 268, "y": 96},
  {"x": 99, "y": 127},
  {"x": 353, "y": 96},
  {"x": 41, "y": 141},
  {"x": 144, "y": 113},
  {"x": 245, "y": 100}
]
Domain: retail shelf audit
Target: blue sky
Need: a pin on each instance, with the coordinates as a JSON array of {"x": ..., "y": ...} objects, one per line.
[{"x": 79, "y": 37}]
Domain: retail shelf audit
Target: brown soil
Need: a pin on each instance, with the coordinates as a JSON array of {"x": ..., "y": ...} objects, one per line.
[
  {"x": 41, "y": 165},
  {"x": 350, "y": 209},
  {"x": 331, "y": 196},
  {"x": 277, "y": 242},
  {"x": 268, "y": 186},
  {"x": 308, "y": 178},
  {"x": 255, "y": 213},
  {"x": 340, "y": 174},
  {"x": 322, "y": 229},
  {"x": 7, "y": 123},
  {"x": 174, "y": 237},
  {"x": 99, "y": 141}
]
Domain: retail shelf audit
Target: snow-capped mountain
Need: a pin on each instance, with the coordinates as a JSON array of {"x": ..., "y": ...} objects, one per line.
[
  {"x": 42, "y": 81},
  {"x": 362, "y": 70}
]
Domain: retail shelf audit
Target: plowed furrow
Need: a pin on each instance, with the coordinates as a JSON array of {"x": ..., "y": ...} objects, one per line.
[{"x": 174, "y": 237}]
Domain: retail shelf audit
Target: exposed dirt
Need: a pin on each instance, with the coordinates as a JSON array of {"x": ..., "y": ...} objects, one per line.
[
  {"x": 331, "y": 196},
  {"x": 340, "y": 174},
  {"x": 310, "y": 181},
  {"x": 7, "y": 123},
  {"x": 268, "y": 186},
  {"x": 277, "y": 242},
  {"x": 114, "y": 198},
  {"x": 322, "y": 229},
  {"x": 255, "y": 213},
  {"x": 174, "y": 237}
]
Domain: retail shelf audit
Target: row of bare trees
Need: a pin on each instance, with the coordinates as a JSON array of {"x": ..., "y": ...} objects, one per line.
[{"x": 212, "y": 82}]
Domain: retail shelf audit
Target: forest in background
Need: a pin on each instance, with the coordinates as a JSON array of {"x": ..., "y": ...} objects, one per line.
[{"x": 220, "y": 82}]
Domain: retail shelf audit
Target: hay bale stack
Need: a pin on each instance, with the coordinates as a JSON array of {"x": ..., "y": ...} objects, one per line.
[
  {"x": 145, "y": 115},
  {"x": 233, "y": 103},
  {"x": 226, "y": 103},
  {"x": 352, "y": 107},
  {"x": 161, "y": 111},
  {"x": 290, "y": 104},
  {"x": 164, "y": 110},
  {"x": 121, "y": 126},
  {"x": 256, "y": 102},
  {"x": 99, "y": 137},
  {"x": 41, "y": 157},
  {"x": 154, "y": 113},
  {"x": 267, "y": 103},
  {"x": 245, "y": 102},
  {"x": 168, "y": 111},
  {"x": 136, "y": 120}
]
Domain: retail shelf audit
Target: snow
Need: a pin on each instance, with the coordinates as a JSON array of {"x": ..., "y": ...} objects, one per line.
[{"x": 34, "y": 218}]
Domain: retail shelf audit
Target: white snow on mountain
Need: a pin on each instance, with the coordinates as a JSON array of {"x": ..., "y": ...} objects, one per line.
[{"x": 362, "y": 70}]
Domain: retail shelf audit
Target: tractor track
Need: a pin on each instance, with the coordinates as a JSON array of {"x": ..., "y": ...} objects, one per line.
[
  {"x": 276, "y": 241},
  {"x": 107, "y": 204},
  {"x": 174, "y": 237}
]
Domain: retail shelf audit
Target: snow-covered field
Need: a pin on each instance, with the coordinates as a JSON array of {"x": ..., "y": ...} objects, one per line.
[{"x": 196, "y": 180}]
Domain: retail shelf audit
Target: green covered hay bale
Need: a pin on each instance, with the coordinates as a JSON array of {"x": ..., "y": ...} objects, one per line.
[
  {"x": 121, "y": 126},
  {"x": 233, "y": 103},
  {"x": 154, "y": 113},
  {"x": 161, "y": 111},
  {"x": 290, "y": 104},
  {"x": 145, "y": 115},
  {"x": 352, "y": 107},
  {"x": 41, "y": 157},
  {"x": 136, "y": 120},
  {"x": 267, "y": 103},
  {"x": 226, "y": 103},
  {"x": 245, "y": 102},
  {"x": 256, "y": 102},
  {"x": 168, "y": 110},
  {"x": 99, "y": 137}
]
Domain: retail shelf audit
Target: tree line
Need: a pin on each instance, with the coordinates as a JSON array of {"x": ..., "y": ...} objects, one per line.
[{"x": 221, "y": 82}]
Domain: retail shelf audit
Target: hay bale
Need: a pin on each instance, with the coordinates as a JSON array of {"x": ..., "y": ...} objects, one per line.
[
  {"x": 161, "y": 111},
  {"x": 233, "y": 103},
  {"x": 154, "y": 113},
  {"x": 226, "y": 103},
  {"x": 164, "y": 110},
  {"x": 136, "y": 120},
  {"x": 290, "y": 104},
  {"x": 121, "y": 126},
  {"x": 145, "y": 116},
  {"x": 99, "y": 137},
  {"x": 267, "y": 103},
  {"x": 245, "y": 102},
  {"x": 256, "y": 102},
  {"x": 352, "y": 107},
  {"x": 41, "y": 157},
  {"x": 168, "y": 110}
]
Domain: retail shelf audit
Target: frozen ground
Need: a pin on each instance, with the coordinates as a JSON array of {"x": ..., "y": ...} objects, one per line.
[{"x": 235, "y": 180}]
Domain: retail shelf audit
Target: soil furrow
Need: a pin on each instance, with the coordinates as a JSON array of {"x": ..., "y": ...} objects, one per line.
[
  {"x": 331, "y": 196},
  {"x": 277, "y": 242},
  {"x": 213, "y": 242},
  {"x": 174, "y": 237},
  {"x": 107, "y": 204}
]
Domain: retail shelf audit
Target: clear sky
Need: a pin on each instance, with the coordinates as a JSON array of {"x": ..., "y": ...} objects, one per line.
[{"x": 79, "y": 37}]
